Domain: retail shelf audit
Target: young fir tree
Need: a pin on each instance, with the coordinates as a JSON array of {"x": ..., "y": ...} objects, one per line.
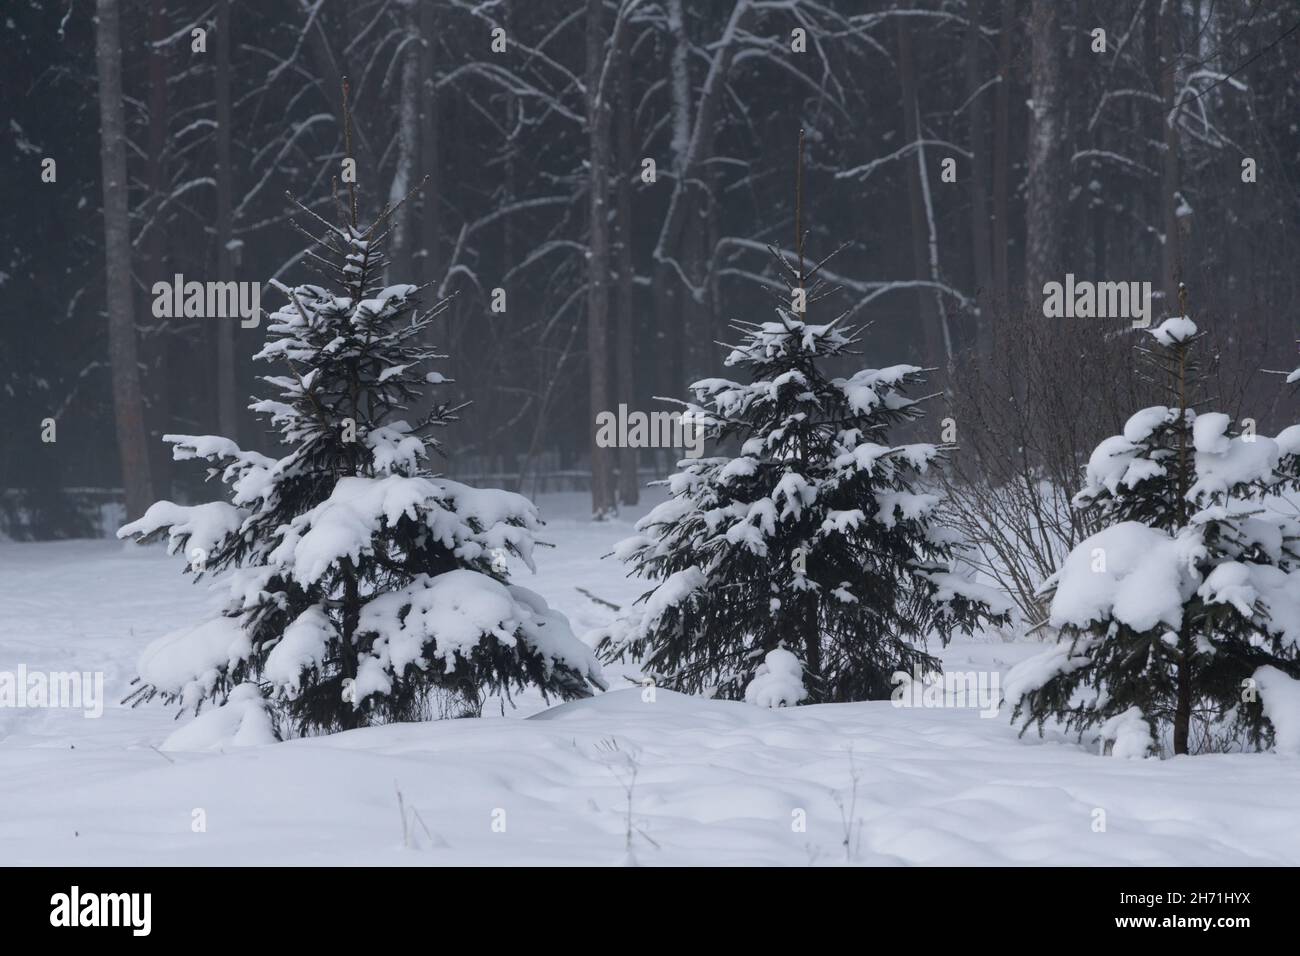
[
  {"x": 357, "y": 579},
  {"x": 1188, "y": 602},
  {"x": 807, "y": 566}
]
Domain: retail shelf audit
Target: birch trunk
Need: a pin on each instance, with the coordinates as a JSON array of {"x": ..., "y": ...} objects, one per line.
[
  {"x": 934, "y": 332},
  {"x": 401, "y": 239},
  {"x": 1048, "y": 176}
]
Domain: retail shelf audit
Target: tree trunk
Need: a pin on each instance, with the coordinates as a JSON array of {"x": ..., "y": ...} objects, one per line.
[
  {"x": 1002, "y": 158},
  {"x": 499, "y": 339},
  {"x": 128, "y": 404},
  {"x": 1185, "y": 474},
  {"x": 670, "y": 299},
  {"x": 1171, "y": 264},
  {"x": 349, "y": 715},
  {"x": 431, "y": 265},
  {"x": 602, "y": 483},
  {"x": 668, "y": 331},
  {"x": 401, "y": 239},
  {"x": 927, "y": 303},
  {"x": 1048, "y": 176},
  {"x": 981, "y": 241},
  {"x": 629, "y": 488},
  {"x": 812, "y": 648},
  {"x": 227, "y": 383},
  {"x": 165, "y": 359},
  {"x": 1183, "y": 710},
  {"x": 695, "y": 311}
]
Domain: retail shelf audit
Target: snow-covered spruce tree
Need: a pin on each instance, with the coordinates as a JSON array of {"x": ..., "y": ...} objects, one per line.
[
  {"x": 1188, "y": 601},
  {"x": 814, "y": 540},
  {"x": 357, "y": 580}
]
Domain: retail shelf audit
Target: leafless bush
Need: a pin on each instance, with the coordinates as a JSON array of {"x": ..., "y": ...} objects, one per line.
[{"x": 1029, "y": 407}]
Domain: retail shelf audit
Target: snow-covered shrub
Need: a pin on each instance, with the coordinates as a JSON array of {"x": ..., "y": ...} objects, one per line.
[
  {"x": 358, "y": 581},
  {"x": 1188, "y": 601},
  {"x": 817, "y": 536}
]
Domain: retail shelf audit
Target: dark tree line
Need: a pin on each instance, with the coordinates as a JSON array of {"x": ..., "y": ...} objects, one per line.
[{"x": 1123, "y": 161}]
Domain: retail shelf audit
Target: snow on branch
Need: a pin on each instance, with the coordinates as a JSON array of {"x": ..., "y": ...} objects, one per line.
[{"x": 866, "y": 169}]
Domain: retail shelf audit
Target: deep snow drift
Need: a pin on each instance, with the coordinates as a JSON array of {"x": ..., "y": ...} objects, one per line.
[{"x": 710, "y": 781}]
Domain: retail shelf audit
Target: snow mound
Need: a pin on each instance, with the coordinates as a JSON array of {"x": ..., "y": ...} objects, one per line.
[
  {"x": 1280, "y": 695},
  {"x": 778, "y": 682},
  {"x": 242, "y": 721},
  {"x": 1129, "y": 734}
]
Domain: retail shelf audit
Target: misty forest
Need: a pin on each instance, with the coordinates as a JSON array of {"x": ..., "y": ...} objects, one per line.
[{"x": 628, "y": 228}]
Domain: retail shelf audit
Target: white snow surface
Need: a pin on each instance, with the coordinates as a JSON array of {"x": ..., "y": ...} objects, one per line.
[{"x": 717, "y": 782}]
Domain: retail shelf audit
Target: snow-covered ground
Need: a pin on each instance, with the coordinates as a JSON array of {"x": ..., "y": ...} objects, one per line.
[{"x": 709, "y": 782}]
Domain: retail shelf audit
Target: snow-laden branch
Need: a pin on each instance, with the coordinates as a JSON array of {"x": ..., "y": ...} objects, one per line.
[
  {"x": 1115, "y": 95},
  {"x": 866, "y": 169},
  {"x": 971, "y": 99},
  {"x": 167, "y": 201},
  {"x": 1110, "y": 157},
  {"x": 869, "y": 290},
  {"x": 511, "y": 83},
  {"x": 274, "y": 166}
]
